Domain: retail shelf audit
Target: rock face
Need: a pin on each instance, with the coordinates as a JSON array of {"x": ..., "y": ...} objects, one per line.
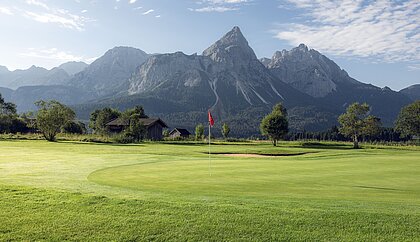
[
  {"x": 308, "y": 71},
  {"x": 226, "y": 77},
  {"x": 314, "y": 74},
  {"x": 109, "y": 74},
  {"x": 413, "y": 92}
]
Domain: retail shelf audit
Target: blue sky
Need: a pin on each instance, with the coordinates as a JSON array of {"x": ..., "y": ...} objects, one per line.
[{"x": 376, "y": 42}]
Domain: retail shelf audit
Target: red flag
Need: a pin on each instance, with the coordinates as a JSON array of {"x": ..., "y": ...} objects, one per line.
[{"x": 211, "y": 120}]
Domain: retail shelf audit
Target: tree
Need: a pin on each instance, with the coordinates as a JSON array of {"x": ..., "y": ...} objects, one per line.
[
  {"x": 51, "y": 116},
  {"x": 100, "y": 117},
  {"x": 136, "y": 131},
  {"x": 356, "y": 122},
  {"x": 10, "y": 122},
  {"x": 137, "y": 110},
  {"x": 165, "y": 133},
  {"x": 225, "y": 130},
  {"x": 74, "y": 127},
  {"x": 408, "y": 121},
  {"x": 275, "y": 125},
  {"x": 7, "y": 108},
  {"x": 199, "y": 132}
]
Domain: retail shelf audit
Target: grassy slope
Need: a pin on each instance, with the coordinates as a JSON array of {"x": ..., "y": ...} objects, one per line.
[{"x": 54, "y": 191}]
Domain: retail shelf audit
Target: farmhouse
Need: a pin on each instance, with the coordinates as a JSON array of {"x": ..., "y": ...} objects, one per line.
[
  {"x": 177, "y": 132},
  {"x": 154, "y": 127}
]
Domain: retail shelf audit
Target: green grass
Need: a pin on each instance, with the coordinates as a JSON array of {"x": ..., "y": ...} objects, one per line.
[{"x": 327, "y": 192}]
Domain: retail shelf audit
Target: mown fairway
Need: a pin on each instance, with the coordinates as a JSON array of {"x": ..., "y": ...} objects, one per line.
[{"x": 84, "y": 191}]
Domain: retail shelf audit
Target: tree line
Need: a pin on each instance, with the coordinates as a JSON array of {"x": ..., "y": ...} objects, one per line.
[
  {"x": 53, "y": 117},
  {"x": 356, "y": 124}
]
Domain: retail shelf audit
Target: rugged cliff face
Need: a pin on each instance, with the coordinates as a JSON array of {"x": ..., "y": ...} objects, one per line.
[
  {"x": 308, "y": 71},
  {"x": 109, "y": 74},
  {"x": 226, "y": 77}
]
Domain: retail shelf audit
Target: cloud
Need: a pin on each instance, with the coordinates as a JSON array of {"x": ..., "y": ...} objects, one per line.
[
  {"x": 157, "y": 16},
  {"x": 62, "y": 17},
  {"x": 414, "y": 67},
  {"x": 148, "y": 12},
  {"x": 384, "y": 30},
  {"x": 219, "y": 6},
  {"x": 132, "y": 1},
  {"x": 213, "y": 9},
  {"x": 54, "y": 54},
  {"x": 7, "y": 11},
  {"x": 38, "y": 3}
]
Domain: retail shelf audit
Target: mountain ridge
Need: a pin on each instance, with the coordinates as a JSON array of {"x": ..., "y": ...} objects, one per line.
[{"x": 226, "y": 78}]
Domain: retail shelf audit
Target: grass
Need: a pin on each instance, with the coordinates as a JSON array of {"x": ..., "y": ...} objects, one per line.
[{"x": 324, "y": 192}]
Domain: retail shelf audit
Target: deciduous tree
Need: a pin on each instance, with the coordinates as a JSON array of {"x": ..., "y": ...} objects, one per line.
[
  {"x": 199, "y": 132},
  {"x": 99, "y": 118},
  {"x": 408, "y": 121},
  {"x": 356, "y": 122},
  {"x": 51, "y": 116},
  {"x": 225, "y": 130},
  {"x": 275, "y": 125}
]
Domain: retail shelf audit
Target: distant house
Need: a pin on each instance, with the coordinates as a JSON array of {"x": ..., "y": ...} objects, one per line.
[
  {"x": 179, "y": 133},
  {"x": 154, "y": 127}
]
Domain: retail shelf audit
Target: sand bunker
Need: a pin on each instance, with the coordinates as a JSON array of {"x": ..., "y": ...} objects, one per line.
[
  {"x": 264, "y": 155},
  {"x": 247, "y": 155}
]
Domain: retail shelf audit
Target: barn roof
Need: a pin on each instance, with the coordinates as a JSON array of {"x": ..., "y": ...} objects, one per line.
[
  {"x": 181, "y": 131},
  {"x": 146, "y": 122}
]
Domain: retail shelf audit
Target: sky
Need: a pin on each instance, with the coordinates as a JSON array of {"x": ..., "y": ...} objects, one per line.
[{"x": 376, "y": 42}]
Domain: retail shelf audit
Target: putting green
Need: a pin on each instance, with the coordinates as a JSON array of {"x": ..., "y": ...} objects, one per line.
[{"x": 372, "y": 175}]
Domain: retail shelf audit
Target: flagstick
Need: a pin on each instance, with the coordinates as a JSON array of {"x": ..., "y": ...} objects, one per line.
[{"x": 209, "y": 149}]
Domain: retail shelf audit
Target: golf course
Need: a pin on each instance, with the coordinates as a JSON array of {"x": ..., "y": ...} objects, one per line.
[{"x": 248, "y": 191}]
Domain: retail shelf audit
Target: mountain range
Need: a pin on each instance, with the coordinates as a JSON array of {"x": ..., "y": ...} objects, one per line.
[{"x": 226, "y": 78}]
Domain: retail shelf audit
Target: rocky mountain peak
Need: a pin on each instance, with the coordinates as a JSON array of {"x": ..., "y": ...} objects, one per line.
[
  {"x": 232, "y": 49},
  {"x": 307, "y": 70},
  {"x": 302, "y": 47},
  {"x": 110, "y": 73}
]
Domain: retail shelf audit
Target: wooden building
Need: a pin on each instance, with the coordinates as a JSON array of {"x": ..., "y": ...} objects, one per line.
[
  {"x": 154, "y": 127},
  {"x": 177, "y": 132}
]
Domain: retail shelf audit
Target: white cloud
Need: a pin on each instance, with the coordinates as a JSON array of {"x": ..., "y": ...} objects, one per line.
[
  {"x": 213, "y": 9},
  {"x": 137, "y": 8},
  {"x": 414, "y": 67},
  {"x": 157, "y": 16},
  {"x": 44, "y": 13},
  {"x": 38, "y": 3},
  {"x": 84, "y": 11},
  {"x": 7, "y": 11},
  {"x": 148, "y": 12},
  {"x": 385, "y": 30},
  {"x": 54, "y": 54},
  {"x": 219, "y": 6},
  {"x": 132, "y": 1}
]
